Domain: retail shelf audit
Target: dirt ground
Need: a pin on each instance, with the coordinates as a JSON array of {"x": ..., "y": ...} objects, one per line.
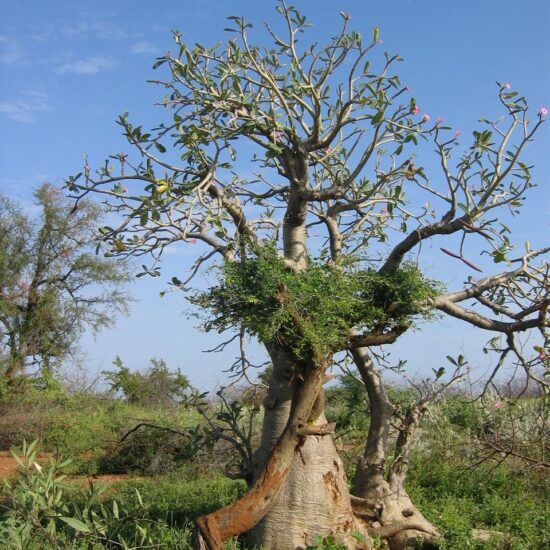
[{"x": 8, "y": 466}]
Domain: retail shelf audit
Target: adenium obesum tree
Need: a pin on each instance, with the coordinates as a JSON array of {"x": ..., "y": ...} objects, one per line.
[{"x": 291, "y": 164}]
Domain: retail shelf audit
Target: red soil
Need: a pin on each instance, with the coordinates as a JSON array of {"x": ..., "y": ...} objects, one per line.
[{"x": 8, "y": 467}]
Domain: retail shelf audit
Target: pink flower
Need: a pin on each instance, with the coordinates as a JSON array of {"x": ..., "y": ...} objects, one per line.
[
  {"x": 426, "y": 118},
  {"x": 415, "y": 110},
  {"x": 498, "y": 405},
  {"x": 457, "y": 133},
  {"x": 543, "y": 111},
  {"x": 192, "y": 241},
  {"x": 439, "y": 120},
  {"x": 327, "y": 150},
  {"x": 541, "y": 355},
  {"x": 384, "y": 211},
  {"x": 379, "y": 41},
  {"x": 125, "y": 189},
  {"x": 507, "y": 85}
]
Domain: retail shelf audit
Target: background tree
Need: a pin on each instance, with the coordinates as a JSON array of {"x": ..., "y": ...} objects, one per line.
[
  {"x": 156, "y": 385},
  {"x": 52, "y": 284},
  {"x": 321, "y": 245}
]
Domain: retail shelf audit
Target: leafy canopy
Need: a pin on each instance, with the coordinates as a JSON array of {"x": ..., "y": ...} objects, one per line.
[
  {"x": 260, "y": 293},
  {"x": 311, "y": 146},
  {"x": 52, "y": 284},
  {"x": 157, "y": 385}
]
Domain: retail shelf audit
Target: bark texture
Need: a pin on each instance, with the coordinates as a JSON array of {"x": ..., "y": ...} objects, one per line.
[
  {"x": 385, "y": 495},
  {"x": 314, "y": 500}
]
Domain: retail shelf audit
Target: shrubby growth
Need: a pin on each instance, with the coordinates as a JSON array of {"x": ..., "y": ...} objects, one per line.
[
  {"x": 259, "y": 293},
  {"x": 465, "y": 497},
  {"x": 155, "y": 386}
]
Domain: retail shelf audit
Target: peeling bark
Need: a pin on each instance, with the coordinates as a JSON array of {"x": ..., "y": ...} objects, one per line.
[
  {"x": 245, "y": 513},
  {"x": 314, "y": 499}
]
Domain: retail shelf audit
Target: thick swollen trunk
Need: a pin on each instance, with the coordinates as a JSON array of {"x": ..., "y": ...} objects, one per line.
[
  {"x": 314, "y": 500},
  {"x": 383, "y": 495},
  {"x": 299, "y": 477}
]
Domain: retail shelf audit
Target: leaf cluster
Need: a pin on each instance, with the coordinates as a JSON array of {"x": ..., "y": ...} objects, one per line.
[
  {"x": 329, "y": 301},
  {"x": 44, "y": 512},
  {"x": 157, "y": 385}
]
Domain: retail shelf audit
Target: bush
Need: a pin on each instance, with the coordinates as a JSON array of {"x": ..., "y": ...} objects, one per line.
[
  {"x": 156, "y": 386},
  {"x": 41, "y": 511},
  {"x": 89, "y": 427},
  {"x": 151, "y": 449},
  {"x": 458, "y": 499}
]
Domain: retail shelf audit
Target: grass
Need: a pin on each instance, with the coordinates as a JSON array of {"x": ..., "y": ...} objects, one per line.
[
  {"x": 180, "y": 502},
  {"x": 89, "y": 428},
  {"x": 509, "y": 502},
  {"x": 512, "y": 503}
]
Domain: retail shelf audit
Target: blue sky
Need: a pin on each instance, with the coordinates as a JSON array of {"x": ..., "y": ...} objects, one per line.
[{"x": 68, "y": 69}]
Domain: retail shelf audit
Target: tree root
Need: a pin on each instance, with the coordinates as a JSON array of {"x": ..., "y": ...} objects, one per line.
[{"x": 392, "y": 529}]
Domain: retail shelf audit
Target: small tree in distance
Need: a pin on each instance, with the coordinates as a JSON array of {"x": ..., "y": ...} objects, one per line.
[
  {"x": 52, "y": 284},
  {"x": 321, "y": 248},
  {"x": 155, "y": 386}
]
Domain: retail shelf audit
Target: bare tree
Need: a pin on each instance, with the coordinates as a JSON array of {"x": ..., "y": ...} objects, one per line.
[{"x": 315, "y": 244}]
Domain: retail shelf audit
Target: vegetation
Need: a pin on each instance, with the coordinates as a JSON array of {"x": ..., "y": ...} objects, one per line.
[
  {"x": 262, "y": 295},
  {"x": 52, "y": 284},
  {"x": 314, "y": 252},
  {"x": 43, "y": 508},
  {"x": 156, "y": 386}
]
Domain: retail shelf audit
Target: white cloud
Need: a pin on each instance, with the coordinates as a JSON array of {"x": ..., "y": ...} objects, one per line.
[
  {"x": 95, "y": 26},
  {"x": 25, "y": 108},
  {"x": 11, "y": 51},
  {"x": 106, "y": 30},
  {"x": 89, "y": 65},
  {"x": 144, "y": 47}
]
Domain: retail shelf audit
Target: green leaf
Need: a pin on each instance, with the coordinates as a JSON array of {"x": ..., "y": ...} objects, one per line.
[
  {"x": 375, "y": 34},
  {"x": 160, "y": 147},
  {"x": 439, "y": 372},
  {"x": 377, "y": 118},
  {"x": 76, "y": 524},
  {"x": 160, "y": 61}
]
